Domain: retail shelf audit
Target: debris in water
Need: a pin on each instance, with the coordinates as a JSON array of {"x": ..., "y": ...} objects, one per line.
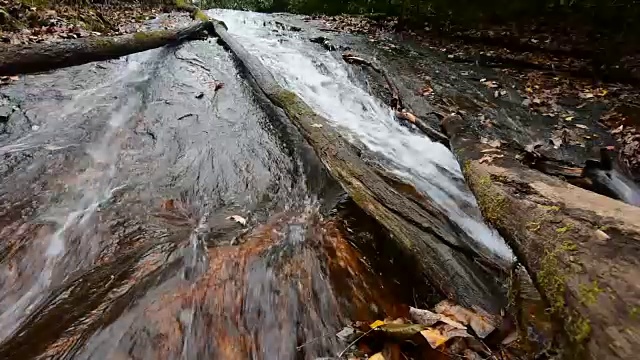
[
  {"x": 200, "y": 95},
  {"x": 239, "y": 219}
]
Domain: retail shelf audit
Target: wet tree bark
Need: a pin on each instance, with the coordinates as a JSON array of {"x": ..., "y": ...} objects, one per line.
[
  {"x": 24, "y": 59},
  {"x": 444, "y": 254},
  {"x": 581, "y": 249}
]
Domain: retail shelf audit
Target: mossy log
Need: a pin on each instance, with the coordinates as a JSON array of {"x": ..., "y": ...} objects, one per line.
[
  {"x": 581, "y": 249},
  {"x": 23, "y": 59},
  {"x": 443, "y": 252}
]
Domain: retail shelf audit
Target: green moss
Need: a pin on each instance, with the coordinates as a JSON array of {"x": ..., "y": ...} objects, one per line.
[
  {"x": 292, "y": 104},
  {"x": 579, "y": 330},
  {"x": 564, "y": 229},
  {"x": 533, "y": 226},
  {"x": 568, "y": 246},
  {"x": 200, "y": 15},
  {"x": 181, "y": 4},
  {"x": 552, "y": 281},
  {"x": 492, "y": 204},
  {"x": 141, "y": 36},
  {"x": 589, "y": 293},
  {"x": 550, "y": 208},
  {"x": 103, "y": 42}
]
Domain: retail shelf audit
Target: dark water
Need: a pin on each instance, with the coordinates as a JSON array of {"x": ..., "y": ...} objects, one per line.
[{"x": 117, "y": 182}]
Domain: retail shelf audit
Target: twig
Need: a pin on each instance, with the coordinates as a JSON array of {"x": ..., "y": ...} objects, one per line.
[
  {"x": 195, "y": 62},
  {"x": 187, "y": 115},
  {"x": 353, "y": 342}
]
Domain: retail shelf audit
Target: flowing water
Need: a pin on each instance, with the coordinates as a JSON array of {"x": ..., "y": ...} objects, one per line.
[{"x": 117, "y": 182}]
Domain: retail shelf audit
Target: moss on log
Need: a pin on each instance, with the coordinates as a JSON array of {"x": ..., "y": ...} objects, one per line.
[
  {"x": 581, "y": 249},
  {"x": 442, "y": 251},
  {"x": 23, "y": 59}
]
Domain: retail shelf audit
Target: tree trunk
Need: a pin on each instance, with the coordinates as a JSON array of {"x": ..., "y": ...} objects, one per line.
[
  {"x": 581, "y": 249},
  {"x": 23, "y": 59},
  {"x": 442, "y": 251}
]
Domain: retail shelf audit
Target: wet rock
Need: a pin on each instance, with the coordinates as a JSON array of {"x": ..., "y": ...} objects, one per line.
[{"x": 5, "y": 113}]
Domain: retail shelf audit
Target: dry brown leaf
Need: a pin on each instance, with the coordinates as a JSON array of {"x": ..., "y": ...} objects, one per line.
[
  {"x": 428, "y": 318},
  {"x": 168, "y": 204},
  {"x": 441, "y": 334},
  {"x": 618, "y": 129},
  {"x": 434, "y": 337},
  {"x": 488, "y": 158},
  {"x": 481, "y": 322}
]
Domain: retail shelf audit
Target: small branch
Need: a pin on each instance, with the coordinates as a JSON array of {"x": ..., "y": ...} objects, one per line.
[{"x": 396, "y": 100}]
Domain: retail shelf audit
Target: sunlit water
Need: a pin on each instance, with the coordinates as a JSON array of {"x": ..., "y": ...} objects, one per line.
[{"x": 327, "y": 83}]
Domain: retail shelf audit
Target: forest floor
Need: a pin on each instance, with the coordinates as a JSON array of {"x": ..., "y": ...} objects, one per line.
[{"x": 555, "y": 71}]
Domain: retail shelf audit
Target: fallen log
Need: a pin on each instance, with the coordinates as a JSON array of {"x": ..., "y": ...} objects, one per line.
[
  {"x": 581, "y": 249},
  {"x": 24, "y": 59},
  {"x": 443, "y": 252}
]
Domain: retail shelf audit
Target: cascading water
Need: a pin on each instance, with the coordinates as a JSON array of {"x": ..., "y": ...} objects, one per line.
[{"x": 118, "y": 179}]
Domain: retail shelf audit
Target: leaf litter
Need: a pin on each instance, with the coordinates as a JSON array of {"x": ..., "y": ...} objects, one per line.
[{"x": 450, "y": 330}]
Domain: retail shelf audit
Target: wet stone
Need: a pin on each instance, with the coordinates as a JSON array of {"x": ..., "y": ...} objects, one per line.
[{"x": 5, "y": 113}]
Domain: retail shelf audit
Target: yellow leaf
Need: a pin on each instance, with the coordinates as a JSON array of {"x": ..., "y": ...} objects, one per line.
[
  {"x": 376, "y": 323},
  {"x": 377, "y": 356},
  {"x": 434, "y": 337}
]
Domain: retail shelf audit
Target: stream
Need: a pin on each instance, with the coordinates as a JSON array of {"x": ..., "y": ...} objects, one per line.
[{"x": 118, "y": 181}]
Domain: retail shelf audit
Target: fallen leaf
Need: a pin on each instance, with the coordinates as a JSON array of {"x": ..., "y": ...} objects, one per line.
[
  {"x": 489, "y": 158},
  {"x": 409, "y": 116},
  {"x": 557, "y": 141},
  {"x": 377, "y": 356},
  {"x": 602, "y": 236},
  {"x": 480, "y": 321},
  {"x": 441, "y": 334},
  {"x": 400, "y": 331},
  {"x": 586, "y": 95},
  {"x": 434, "y": 337},
  {"x": 582, "y": 126},
  {"x": 168, "y": 204},
  {"x": 428, "y": 318},
  {"x": 239, "y": 219},
  {"x": 376, "y": 324},
  {"x": 618, "y": 129}
]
